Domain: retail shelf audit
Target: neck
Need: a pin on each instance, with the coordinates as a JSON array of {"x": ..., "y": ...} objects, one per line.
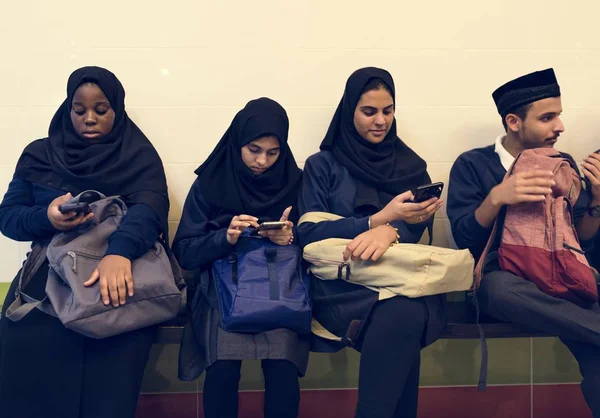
[{"x": 512, "y": 144}]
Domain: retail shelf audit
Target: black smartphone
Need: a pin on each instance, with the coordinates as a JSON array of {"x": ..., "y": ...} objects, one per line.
[
  {"x": 427, "y": 191},
  {"x": 81, "y": 207},
  {"x": 265, "y": 226}
]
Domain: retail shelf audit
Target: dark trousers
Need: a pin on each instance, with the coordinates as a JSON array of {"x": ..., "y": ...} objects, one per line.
[
  {"x": 388, "y": 383},
  {"x": 510, "y": 298},
  {"x": 282, "y": 390},
  {"x": 48, "y": 371}
]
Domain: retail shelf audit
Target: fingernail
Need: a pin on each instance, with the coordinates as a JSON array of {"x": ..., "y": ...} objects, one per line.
[{"x": 105, "y": 301}]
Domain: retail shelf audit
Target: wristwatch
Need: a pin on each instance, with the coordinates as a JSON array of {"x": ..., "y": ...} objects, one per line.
[{"x": 594, "y": 211}]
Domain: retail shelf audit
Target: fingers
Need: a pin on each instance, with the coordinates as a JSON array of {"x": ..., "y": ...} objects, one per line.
[
  {"x": 93, "y": 278},
  {"x": 251, "y": 220},
  {"x": 593, "y": 158},
  {"x": 594, "y": 180},
  {"x": 104, "y": 290},
  {"x": 378, "y": 253},
  {"x": 122, "y": 290},
  {"x": 130, "y": 284},
  {"x": 593, "y": 172},
  {"x": 420, "y": 212},
  {"x": 533, "y": 190},
  {"x": 113, "y": 291},
  {"x": 536, "y": 173},
  {"x": 242, "y": 222},
  {"x": 286, "y": 214},
  {"x": 351, "y": 247},
  {"x": 360, "y": 249},
  {"x": 403, "y": 197}
]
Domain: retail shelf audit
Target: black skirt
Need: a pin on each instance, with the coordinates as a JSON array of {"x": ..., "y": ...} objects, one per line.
[{"x": 49, "y": 371}]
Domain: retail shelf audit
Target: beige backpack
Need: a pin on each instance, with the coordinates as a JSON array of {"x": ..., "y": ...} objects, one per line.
[{"x": 411, "y": 270}]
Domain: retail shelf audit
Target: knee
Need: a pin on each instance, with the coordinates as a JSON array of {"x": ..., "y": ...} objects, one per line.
[
  {"x": 279, "y": 370},
  {"x": 400, "y": 316},
  {"x": 224, "y": 371}
]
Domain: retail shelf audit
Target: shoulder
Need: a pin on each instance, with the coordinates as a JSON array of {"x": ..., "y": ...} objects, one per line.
[{"x": 320, "y": 161}]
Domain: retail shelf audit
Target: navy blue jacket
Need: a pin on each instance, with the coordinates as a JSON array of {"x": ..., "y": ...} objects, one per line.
[
  {"x": 23, "y": 217},
  {"x": 327, "y": 186}
]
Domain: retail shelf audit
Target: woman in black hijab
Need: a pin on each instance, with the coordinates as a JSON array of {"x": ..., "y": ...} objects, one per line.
[
  {"x": 250, "y": 175},
  {"x": 365, "y": 173},
  {"x": 46, "y": 369}
]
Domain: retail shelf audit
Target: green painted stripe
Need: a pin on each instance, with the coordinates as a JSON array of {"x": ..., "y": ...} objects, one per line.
[{"x": 3, "y": 290}]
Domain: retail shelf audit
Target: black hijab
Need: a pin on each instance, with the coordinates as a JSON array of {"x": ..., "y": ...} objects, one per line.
[
  {"x": 383, "y": 170},
  {"x": 122, "y": 163},
  {"x": 230, "y": 186}
]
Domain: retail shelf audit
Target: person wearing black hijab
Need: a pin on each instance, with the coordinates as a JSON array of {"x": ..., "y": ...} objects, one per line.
[
  {"x": 250, "y": 175},
  {"x": 47, "y": 370},
  {"x": 365, "y": 173}
]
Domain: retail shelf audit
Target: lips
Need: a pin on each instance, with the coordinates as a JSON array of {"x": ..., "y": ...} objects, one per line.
[
  {"x": 91, "y": 134},
  {"x": 378, "y": 132}
]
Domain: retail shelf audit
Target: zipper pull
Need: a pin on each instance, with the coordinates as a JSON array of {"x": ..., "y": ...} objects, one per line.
[
  {"x": 74, "y": 257},
  {"x": 232, "y": 258},
  {"x": 341, "y": 267}
]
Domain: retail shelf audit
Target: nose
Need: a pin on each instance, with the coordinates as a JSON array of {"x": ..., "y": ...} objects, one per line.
[
  {"x": 559, "y": 127},
  {"x": 90, "y": 118},
  {"x": 379, "y": 119},
  {"x": 261, "y": 159}
]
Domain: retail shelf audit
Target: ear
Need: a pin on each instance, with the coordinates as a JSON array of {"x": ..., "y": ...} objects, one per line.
[{"x": 513, "y": 122}]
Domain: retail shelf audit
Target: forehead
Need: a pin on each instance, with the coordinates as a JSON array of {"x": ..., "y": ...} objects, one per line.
[
  {"x": 376, "y": 98},
  {"x": 266, "y": 142},
  {"x": 89, "y": 93},
  {"x": 548, "y": 105}
]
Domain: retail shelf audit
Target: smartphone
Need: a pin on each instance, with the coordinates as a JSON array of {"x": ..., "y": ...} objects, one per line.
[
  {"x": 265, "y": 226},
  {"x": 81, "y": 207},
  {"x": 427, "y": 191}
]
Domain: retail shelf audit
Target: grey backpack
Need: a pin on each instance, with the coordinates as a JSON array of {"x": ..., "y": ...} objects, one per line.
[{"x": 73, "y": 255}]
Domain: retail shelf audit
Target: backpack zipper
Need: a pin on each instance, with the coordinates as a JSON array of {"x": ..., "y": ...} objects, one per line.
[
  {"x": 73, "y": 255},
  {"x": 327, "y": 262},
  {"x": 570, "y": 247}
]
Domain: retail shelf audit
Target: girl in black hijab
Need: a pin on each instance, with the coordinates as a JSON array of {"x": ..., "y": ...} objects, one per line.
[
  {"x": 365, "y": 173},
  {"x": 45, "y": 369},
  {"x": 250, "y": 175}
]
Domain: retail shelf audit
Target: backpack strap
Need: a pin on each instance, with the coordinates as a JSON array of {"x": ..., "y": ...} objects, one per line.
[
  {"x": 271, "y": 256},
  {"x": 23, "y": 303}
]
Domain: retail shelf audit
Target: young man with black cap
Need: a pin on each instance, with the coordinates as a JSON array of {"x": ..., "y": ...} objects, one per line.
[{"x": 530, "y": 107}]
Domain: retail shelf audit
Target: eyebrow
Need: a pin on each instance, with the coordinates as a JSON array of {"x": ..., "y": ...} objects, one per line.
[
  {"x": 373, "y": 107},
  {"x": 259, "y": 147},
  {"x": 543, "y": 115},
  {"x": 104, "y": 102}
]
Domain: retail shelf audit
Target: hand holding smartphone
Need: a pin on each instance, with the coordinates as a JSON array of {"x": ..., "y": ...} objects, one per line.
[
  {"x": 428, "y": 191},
  {"x": 81, "y": 207}
]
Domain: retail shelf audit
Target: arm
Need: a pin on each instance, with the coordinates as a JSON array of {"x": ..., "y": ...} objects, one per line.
[
  {"x": 587, "y": 226},
  {"x": 20, "y": 218},
  {"x": 137, "y": 233},
  {"x": 199, "y": 241},
  {"x": 313, "y": 198},
  {"x": 465, "y": 196}
]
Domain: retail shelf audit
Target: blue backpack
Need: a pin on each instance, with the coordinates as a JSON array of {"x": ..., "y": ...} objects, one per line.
[{"x": 262, "y": 286}]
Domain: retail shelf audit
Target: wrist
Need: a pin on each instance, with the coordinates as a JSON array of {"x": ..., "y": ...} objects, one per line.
[
  {"x": 378, "y": 219},
  {"x": 495, "y": 197},
  {"x": 393, "y": 234}
]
